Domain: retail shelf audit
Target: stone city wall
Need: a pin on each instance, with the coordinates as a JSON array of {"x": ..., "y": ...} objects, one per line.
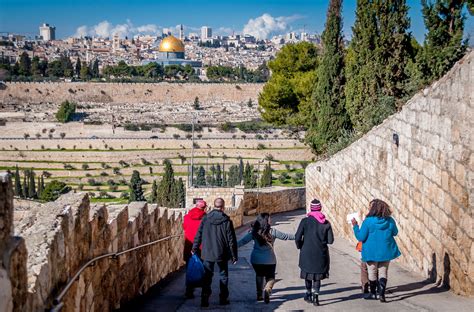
[
  {"x": 274, "y": 199},
  {"x": 63, "y": 235},
  {"x": 132, "y": 102},
  {"x": 427, "y": 179}
]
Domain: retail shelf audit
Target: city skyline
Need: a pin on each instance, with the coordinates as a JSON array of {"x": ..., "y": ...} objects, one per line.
[{"x": 262, "y": 20}]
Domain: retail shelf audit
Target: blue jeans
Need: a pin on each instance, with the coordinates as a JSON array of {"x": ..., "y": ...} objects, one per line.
[{"x": 223, "y": 278}]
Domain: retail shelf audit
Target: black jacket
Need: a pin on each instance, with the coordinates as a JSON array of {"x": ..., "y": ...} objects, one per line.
[
  {"x": 313, "y": 238},
  {"x": 217, "y": 236}
]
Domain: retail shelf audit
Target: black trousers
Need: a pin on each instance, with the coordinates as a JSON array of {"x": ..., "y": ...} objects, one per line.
[
  {"x": 265, "y": 270},
  {"x": 223, "y": 278}
]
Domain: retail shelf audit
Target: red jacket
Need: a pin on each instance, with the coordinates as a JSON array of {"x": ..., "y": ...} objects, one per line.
[{"x": 191, "y": 223}]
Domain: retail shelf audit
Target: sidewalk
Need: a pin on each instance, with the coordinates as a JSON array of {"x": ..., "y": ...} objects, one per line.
[{"x": 341, "y": 292}]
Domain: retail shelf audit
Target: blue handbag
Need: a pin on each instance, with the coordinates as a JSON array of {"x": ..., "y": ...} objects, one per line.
[{"x": 194, "y": 271}]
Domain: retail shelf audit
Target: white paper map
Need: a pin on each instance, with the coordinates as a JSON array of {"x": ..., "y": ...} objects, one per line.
[{"x": 351, "y": 216}]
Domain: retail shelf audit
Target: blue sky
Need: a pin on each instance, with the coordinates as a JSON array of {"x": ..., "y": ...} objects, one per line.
[{"x": 263, "y": 18}]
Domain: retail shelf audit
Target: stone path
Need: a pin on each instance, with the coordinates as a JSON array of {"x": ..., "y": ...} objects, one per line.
[{"x": 341, "y": 292}]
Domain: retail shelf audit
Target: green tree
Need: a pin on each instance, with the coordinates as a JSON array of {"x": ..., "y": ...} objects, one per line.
[
  {"x": 95, "y": 69},
  {"x": 66, "y": 65},
  {"x": 218, "y": 175},
  {"x": 444, "y": 44},
  {"x": 233, "y": 176},
  {"x": 136, "y": 190},
  {"x": 250, "y": 179},
  {"x": 181, "y": 194},
  {"x": 39, "y": 188},
  {"x": 241, "y": 170},
  {"x": 196, "y": 104},
  {"x": 24, "y": 65},
  {"x": 66, "y": 111},
  {"x": 78, "y": 67},
  {"x": 200, "y": 177},
  {"x": 154, "y": 192},
  {"x": 84, "y": 73},
  {"x": 211, "y": 176},
  {"x": 328, "y": 109},
  {"x": 35, "y": 66},
  {"x": 266, "y": 179},
  {"x": 31, "y": 184},
  {"x": 53, "y": 190},
  {"x": 285, "y": 98},
  {"x": 166, "y": 188},
  {"x": 25, "y": 184},
  {"x": 18, "y": 186}
]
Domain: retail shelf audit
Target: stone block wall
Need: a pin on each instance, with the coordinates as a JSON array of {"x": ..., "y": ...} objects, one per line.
[
  {"x": 427, "y": 179},
  {"x": 274, "y": 199},
  {"x": 63, "y": 235}
]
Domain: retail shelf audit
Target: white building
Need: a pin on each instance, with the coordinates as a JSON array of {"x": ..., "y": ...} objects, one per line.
[
  {"x": 47, "y": 32},
  {"x": 206, "y": 33}
]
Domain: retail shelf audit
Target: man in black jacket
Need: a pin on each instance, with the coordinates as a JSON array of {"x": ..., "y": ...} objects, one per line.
[{"x": 219, "y": 245}]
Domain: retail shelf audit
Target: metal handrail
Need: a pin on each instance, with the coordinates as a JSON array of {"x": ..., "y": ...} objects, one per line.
[{"x": 57, "y": 304}]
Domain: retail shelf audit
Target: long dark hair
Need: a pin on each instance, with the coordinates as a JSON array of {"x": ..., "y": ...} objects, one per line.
[
  {"x": 261, "y": 229},
  {"x": 379, "y": 208}
]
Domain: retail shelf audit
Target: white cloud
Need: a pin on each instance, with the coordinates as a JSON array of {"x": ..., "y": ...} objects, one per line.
[
  {"x": 107, "y": 29},
  {"x": 264, "y": 26}
]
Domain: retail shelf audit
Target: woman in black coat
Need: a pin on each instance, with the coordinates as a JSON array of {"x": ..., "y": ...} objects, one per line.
[{"x": 313, "y": 236}]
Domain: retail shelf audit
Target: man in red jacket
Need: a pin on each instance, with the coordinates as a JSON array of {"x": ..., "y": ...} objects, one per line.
[{"x": 191, "y": 223}]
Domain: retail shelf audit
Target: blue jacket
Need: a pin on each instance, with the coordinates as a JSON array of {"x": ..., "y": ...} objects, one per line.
[{"x": 377, "y": 237}]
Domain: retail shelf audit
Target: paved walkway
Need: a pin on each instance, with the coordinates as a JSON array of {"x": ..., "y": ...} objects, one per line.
[{"x": 341, "y": 292}]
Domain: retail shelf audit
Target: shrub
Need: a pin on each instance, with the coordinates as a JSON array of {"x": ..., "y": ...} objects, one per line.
[
  {"x": 53, "y": 190},
  {"x": 260, "y": 146},
  {"x": 259, "y": 137},
  {"x": 176, "y": 136},
  {"x": 66, "y": 112},
  {"x": 104, "y": 174},
  {"x": 131, "y": 127}
]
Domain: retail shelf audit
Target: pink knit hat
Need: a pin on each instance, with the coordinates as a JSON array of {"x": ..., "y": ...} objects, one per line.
[{"x": 315, "y": 205}]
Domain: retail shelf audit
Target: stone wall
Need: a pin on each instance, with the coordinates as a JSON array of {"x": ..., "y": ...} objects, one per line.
[
  {"x": 274, "y": 199},
  {"x": 427, "y": 179},
  {"x": 63, "y": 235},
  {"x": 132, "y": 102}
]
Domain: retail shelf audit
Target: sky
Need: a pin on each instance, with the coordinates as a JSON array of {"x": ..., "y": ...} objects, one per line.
[{"x": 261, "y": 18}]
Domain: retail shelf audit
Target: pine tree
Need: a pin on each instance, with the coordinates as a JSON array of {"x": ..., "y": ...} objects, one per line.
[
  {"x": 24, "y": 65},
  {"x": 201, "y": 177},
  {"x": 444, "y": 44},
  {"x": 42, "y": 183},
  {"x": 136, "y": 190},
  {"x": 250, "y": 179},
  {"x": 233, "y": 176},
  {"x": 211, "y": 176},
  {"x": 78, "y": 67},
  {"x": 154, "y": 192},
  {"x": 218, "y": 175},
  {"x": 18, "y": 187},
  {"x": 166, "y": 186},
  {"x": 329, "y": 114},
  {"x": 95, "y": 69},
  {"x": 266, "y": 179}
]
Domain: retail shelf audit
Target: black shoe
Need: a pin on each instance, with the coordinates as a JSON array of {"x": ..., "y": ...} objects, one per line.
[
  {"x": 315, "y": 299},
  {"x": 259, "y": 298},
  {"x": 308, "y": 297},
  {"x": 373, "y": 291},
  {"x": 382, "y": 286},
  {"x": 266, "y": 296},
  {"x": 365, "y": 288},
  {"x": 189, "y": 295},
  {"x": 224, "y": 301},
  {"x": 204, "y": 302}
]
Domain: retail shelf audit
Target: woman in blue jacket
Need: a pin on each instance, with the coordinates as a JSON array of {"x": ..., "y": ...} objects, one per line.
[{"x": 378, "y": 244}]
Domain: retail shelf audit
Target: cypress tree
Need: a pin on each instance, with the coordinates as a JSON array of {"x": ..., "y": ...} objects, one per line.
[
  {"x": 233, "y": 177},
  {"x": 78, "y": 67},
  {"x": 31, "y": 184},
  {"x": 18, "y": 187},
  {"x": 329, "y": 113},
  {"x": 241, "y": 170},
  {"x": 266, "y": 179},
  {"x": 218, "y": 175},
  {"x": 181, "y": 197},
  {"x": 444, "y": 44},
  {"x": 39, "y": 188},
  {"x": 136, "y": 190},
  {"x": 166, "y": 186},
  {"x": 211, "y": 176},
  {"x": 25, "y": 184},
  {"x": 250, "y": 179},
  {"x": 201, "y": 176},
  {"x": 42, "y": 183},
  {"x": 154, "y": 192}
]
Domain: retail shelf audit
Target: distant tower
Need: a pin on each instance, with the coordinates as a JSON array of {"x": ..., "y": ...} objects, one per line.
[
  {"x": 116, "y": 42},
  {"x": 181, "y": 33},
  {"x": 47, "y": 32},
  {"x": 206, "y": 33}
]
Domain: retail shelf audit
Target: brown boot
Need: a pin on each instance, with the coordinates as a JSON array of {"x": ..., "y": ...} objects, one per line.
[{"x": 268, "y": 290}]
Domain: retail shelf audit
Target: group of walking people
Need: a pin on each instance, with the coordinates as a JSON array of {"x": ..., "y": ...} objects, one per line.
[{"x": 212, "y": 237}]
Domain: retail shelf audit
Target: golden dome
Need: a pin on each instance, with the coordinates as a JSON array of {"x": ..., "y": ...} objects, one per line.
[{"x": 171, "y": 44}]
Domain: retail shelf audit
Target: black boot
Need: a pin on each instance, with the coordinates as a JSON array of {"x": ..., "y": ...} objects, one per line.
[
  {"x": 382, "y": 286},
  {"x": 259, "y": 280},
  {"x": 373, "y": 290},
  {"x": 308, "y": 297},
  {"x": 315, "y": 299},
  {"x": 365, "y": 288},
  {"x": 204, "y": 301}
]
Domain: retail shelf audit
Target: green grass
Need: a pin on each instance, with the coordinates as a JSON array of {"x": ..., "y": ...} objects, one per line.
[{"x": 109, "y": 200}]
